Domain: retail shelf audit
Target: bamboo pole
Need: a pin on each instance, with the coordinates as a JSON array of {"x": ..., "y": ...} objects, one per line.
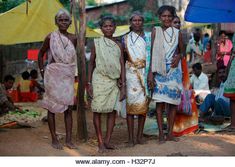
[{"x": 81, "y": 115}]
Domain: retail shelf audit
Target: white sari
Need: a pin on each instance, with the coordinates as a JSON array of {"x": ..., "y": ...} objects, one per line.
[
  {"x": 59, "y": 75},
  {"x": 136, "y": 102}
]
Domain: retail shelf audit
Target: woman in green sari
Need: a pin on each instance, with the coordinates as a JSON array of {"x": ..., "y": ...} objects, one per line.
[{"x": 106, "y": 80}]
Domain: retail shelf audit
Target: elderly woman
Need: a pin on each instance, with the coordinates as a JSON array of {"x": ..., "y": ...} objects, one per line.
[
  {"x": 59, "y": 76},
  {"x": 136, "y": 52}
]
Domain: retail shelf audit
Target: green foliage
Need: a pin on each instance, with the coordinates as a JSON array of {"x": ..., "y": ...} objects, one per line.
[
  {"x": 137, "y": 4},
  {"x": 6, "y": 5},
  {"x": 66, "y": 4}
]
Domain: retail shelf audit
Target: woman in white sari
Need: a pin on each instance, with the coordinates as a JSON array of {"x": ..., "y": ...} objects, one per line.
[
  {"x": 59, "y": 76},
  {"x": 165, "y": 76},
  {"x": 136, "y": 102}
]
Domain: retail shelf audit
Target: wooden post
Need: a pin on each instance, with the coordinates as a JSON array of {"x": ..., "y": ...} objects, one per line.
[
  {"x": 81, "y": 114},
  {"x": 216, "y": 28}
]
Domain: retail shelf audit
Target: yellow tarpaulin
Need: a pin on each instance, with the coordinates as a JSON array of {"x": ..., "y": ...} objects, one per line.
[
  {"x": 18, "y": 27},
  {"x": 120, "y": 30}
]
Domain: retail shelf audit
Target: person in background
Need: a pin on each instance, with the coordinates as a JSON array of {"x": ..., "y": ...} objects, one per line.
[
  {"x": 216, "y": 101},
  {"x": 106, "y": 81},
  {"x": 34, "y": 85},
  {"x": 199, "y": 82},
  {"x": 205, "y": 40},
  {"x": 59, "y": 76},
  {"x": 6, "y": 103},
  {"x": 207, "y": 53},
  {"x": 23, "y": 87},
  {"x": 165, "y": 75},
  {"x": 195, "y": 49},
  {"x": 224, "y": 49}
]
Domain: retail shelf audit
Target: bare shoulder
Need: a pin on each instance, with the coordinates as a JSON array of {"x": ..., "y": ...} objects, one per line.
[{"x": 73, "y": 38}]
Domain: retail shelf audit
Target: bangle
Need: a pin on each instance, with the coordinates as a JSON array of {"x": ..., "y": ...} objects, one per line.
[
  {"x": 88, "y": 83},
  {"x": 41, "y": 70}
]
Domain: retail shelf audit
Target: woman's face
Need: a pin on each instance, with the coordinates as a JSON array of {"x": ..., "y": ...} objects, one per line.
[
  {"x": 166, "y": 18},
  {"x": 176, "y": 23},
  {"x": 223, "y": 38},
  {"x": 108, "y": 28},
  {"x": 137, "y": 23},
  {"x": 63, "y": 22}
]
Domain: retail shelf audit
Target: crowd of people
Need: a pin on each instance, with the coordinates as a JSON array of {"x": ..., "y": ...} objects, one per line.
[{"x": 139, "y": 68}]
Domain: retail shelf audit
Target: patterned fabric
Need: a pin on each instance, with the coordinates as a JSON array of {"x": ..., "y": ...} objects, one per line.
[
  {"x": 168, "y": 87},
  {"x": 136, "y": 102},
  {"x": 59, "y": 75},
  {"x": 185, "y": 124},
  {"x": 229, "y": 90},
  {"x": 105, "y": 76}
]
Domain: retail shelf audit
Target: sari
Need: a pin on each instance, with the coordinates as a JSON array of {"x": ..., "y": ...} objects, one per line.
[
  {"x": 136, "y": 102},
  {"x": 185, "y": 124},
  {"x": 59, "y": 75},
  {"x": 229, "y": 85},
  {"x": 227, "y": 47},
  {"x": 168, "y": 80},
  {"x": 105, "y": 76}
]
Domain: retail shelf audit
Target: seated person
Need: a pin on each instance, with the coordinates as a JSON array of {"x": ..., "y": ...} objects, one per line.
[
  {"x": 199, "y": 82},
  {"x": 34, "y": 85},
  {"x": 6, "y": 103},
  {"x": 219, "y": 104},
  {"x": 23, "y": 89}
]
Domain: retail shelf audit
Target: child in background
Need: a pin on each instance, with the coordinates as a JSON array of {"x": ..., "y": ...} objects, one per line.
[
  {"x": 34, "y": 85},
  {"x": 207, "y": 54}
]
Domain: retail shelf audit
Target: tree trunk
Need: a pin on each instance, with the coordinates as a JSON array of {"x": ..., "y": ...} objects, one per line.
[
  {"x": 216, "y": 29},
  {"x": 81, "y": 114}
]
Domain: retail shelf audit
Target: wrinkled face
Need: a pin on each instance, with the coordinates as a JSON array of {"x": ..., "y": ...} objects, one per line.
[
  {"x": 108, "y": 28},
  {"x": 63, "y": 22},
  {"x": 222, "y": 74},
  {"x": 137, "y": 23},
  {"x": 176, "y": 23},
  {"x": 9, "y": 84},
  {"x": 166, "y": 18}
]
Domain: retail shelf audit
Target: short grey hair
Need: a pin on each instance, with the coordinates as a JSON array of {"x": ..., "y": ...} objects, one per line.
[{"x": 62, "y": 11}]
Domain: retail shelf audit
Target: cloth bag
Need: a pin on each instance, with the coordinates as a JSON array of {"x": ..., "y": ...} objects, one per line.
[{"x": 185, "y": 106}]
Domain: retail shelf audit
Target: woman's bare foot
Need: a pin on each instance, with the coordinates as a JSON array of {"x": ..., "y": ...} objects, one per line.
[
  {"x": 172, "y": 138},
  {"x": 101, "y": 148},
  {"x": 140, "y": 141},
  {"x": 161, "y": 139},
  {"x": 130, "y": 143},
  {"x": 70, "y": 145},
  {"x": 56, "y": 144},
  {"x": 109, "y": 146}
]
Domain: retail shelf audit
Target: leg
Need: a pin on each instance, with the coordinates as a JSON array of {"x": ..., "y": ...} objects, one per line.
[
  {"x": 159, "y": 110},
  {"x": 51, "y": 123},
  {"x": 207, "y": 104},
  {"x": 97, "y": 125},
  {"x": 141, "y": 121},
  {"x": 232, "y": 106},
  {"x": 130, "y": 126},
  {"x": 171, "y": 119},
  {"x": 110, "y": 125},
  {"x": 222, "y": 108},
  {"x": 68, "y": 119}
]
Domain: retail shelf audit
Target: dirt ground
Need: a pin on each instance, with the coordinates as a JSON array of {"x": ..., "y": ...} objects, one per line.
[{"x": 22, "y": 141}]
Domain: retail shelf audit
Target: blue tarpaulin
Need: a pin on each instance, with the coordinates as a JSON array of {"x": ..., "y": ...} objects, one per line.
[{"x": 210, "y": 11}]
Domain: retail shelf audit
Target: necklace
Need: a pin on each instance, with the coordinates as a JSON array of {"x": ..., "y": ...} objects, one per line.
[
  {"x": 134, "y": 41},
  {"x": 64, "y": 45},
  {"x": 171, "y": 36},
  {"x": 109, "y": 45}
]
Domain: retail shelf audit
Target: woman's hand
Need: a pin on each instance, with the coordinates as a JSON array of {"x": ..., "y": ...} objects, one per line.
[
  {"x": 150, "y": 80},
  {"x": 175, "y": 61},
  {"x": 122, "y": 93},
  {"x": 90, "y": 91}
]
